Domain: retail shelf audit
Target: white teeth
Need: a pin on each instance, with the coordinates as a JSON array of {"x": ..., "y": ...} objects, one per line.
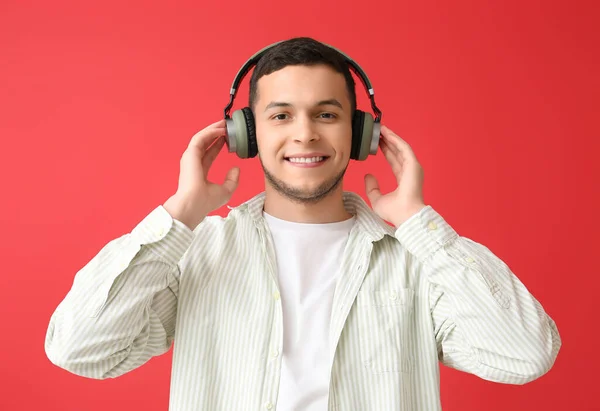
[{"x": 305, "y": 160}]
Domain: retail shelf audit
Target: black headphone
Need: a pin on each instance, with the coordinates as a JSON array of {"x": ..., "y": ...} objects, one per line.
[{"x": 241, "y": 132}]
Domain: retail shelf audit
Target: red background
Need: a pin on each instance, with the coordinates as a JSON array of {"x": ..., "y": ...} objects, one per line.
[{"x": 499, "y": 101}]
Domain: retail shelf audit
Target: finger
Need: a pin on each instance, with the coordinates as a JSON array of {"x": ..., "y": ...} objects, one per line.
[
  {"x": 394, "y": 163},
  {"x": 389, "y": 146},
  {"x": 231, "y": 180},
  {"x": 396, "y": 142},
  {"x": 372, "y": 188},
  {"x": 207, "y": 135},
  {"x": 392, "y": 156},
  {"x": 212, "y": 152}
]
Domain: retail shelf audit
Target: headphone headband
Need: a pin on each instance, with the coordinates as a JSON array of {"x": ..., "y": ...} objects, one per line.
[{"x": 253, "y": 60}]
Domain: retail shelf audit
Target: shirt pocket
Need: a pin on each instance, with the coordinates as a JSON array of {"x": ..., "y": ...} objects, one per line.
[{"x": 384, "y": 319}]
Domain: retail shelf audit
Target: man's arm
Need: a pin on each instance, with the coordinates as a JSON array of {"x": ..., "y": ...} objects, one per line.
[
  {"x": 122, "y": 307},
  {"x": 485, "y": 320}
]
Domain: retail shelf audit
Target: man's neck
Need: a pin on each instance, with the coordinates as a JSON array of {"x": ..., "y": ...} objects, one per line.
[{"x": 330, "y": 209}]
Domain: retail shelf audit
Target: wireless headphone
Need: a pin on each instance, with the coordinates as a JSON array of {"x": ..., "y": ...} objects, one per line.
[{"x": 241, "y": 131}]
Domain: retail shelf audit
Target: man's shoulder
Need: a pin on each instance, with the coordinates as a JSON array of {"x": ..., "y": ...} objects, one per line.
[
  {"x": 217, "y": 221},
  {"x": 236, "y": 222}
]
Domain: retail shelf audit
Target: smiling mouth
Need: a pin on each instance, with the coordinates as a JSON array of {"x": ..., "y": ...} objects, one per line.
[{"x": 306, "y": 160}]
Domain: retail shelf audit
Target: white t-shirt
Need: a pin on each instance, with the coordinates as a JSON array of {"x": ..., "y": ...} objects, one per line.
[{"x": 308, "y": 261}]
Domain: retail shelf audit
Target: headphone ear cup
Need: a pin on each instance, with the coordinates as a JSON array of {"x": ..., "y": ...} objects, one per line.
[
  {"x": 241, "y": 134},
  {"x": 237, "y": 134},
  {"x": 357, "y": 127},
  {"x": 366, "y": 137},
  {"x": 250, "y": 132}
]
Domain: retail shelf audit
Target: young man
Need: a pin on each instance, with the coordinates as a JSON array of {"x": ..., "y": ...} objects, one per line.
[{"x": 302, "y": 298}]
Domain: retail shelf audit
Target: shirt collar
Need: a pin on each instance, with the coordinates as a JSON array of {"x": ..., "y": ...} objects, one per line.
[{"x": 367, "y": 222}]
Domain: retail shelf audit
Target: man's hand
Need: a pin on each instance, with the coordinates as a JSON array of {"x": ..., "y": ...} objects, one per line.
[
  {"x": 196, "y": 196},
  {"x": 407, "y": 199}
]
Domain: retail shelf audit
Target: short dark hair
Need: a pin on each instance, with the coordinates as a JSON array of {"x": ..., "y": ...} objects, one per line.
[{"x": 301, "y": 51}]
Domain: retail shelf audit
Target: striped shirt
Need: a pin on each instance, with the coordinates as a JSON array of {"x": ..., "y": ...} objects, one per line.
[{"x": 405, "y": 300}]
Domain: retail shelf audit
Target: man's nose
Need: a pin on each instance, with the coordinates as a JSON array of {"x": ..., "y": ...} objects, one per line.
[{"x": 305, "y": 130}]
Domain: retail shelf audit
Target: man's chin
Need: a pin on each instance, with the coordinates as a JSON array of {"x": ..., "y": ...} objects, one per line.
[
  {"x": 305, "y": 197},
  {"x": 304, "y": 193},
  {"x": 308, "y": 192}
]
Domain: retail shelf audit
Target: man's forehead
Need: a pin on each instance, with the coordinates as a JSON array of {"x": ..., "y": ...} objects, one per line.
[
  {"x": 291, "y": 89},
  {"x": 320, "y": 103},
  {"x": 309, "y": 78}
]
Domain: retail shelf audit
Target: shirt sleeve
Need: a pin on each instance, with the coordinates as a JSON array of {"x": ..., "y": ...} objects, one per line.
[
  {"x": 485, "y": 320},
  {"x": 122, "y": 306}
]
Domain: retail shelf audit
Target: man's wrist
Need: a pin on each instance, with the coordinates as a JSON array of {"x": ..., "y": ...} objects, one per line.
[
  {"x": 185, "y": 211},
  {"x": 406, "y": 215}
]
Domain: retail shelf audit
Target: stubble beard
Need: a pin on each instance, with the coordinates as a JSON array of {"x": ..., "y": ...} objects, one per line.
[{"x": 301, "y": 196}]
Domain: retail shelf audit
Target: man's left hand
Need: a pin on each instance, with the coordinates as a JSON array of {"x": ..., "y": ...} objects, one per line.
[{"x": 407, "y": 199}]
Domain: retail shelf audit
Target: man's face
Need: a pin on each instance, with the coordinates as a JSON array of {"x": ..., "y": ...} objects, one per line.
[{"x": 303, "y": 130}]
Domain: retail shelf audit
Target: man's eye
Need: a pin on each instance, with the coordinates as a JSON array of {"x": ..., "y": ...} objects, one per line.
[
  {"x": 331, "y": 115},
  {"x": 283, "y": 116}
]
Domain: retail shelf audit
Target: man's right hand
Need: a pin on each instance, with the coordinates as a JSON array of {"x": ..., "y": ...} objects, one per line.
[{"x": 196, "y": 196}]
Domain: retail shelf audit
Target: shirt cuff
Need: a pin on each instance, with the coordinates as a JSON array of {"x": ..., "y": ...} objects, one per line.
[
  {"x": 424, "y": 233},
  {"x": 165, "y": 236}
]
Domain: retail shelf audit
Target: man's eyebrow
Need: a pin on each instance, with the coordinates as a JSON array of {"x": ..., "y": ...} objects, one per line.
[
  {"x": 273, "y": 104},
  {"x": 329, "y": 102}
]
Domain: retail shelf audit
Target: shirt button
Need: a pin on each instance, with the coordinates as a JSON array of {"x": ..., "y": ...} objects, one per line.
[
  {"x": 469, "y": 260},
  {"x": 393, "y": 295},
  {"x": 432, "y": 226},
  {"x": 276, "y": 295},
  {"x": 269, "y": 405},
  {"x": 274, "y": 353}
]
